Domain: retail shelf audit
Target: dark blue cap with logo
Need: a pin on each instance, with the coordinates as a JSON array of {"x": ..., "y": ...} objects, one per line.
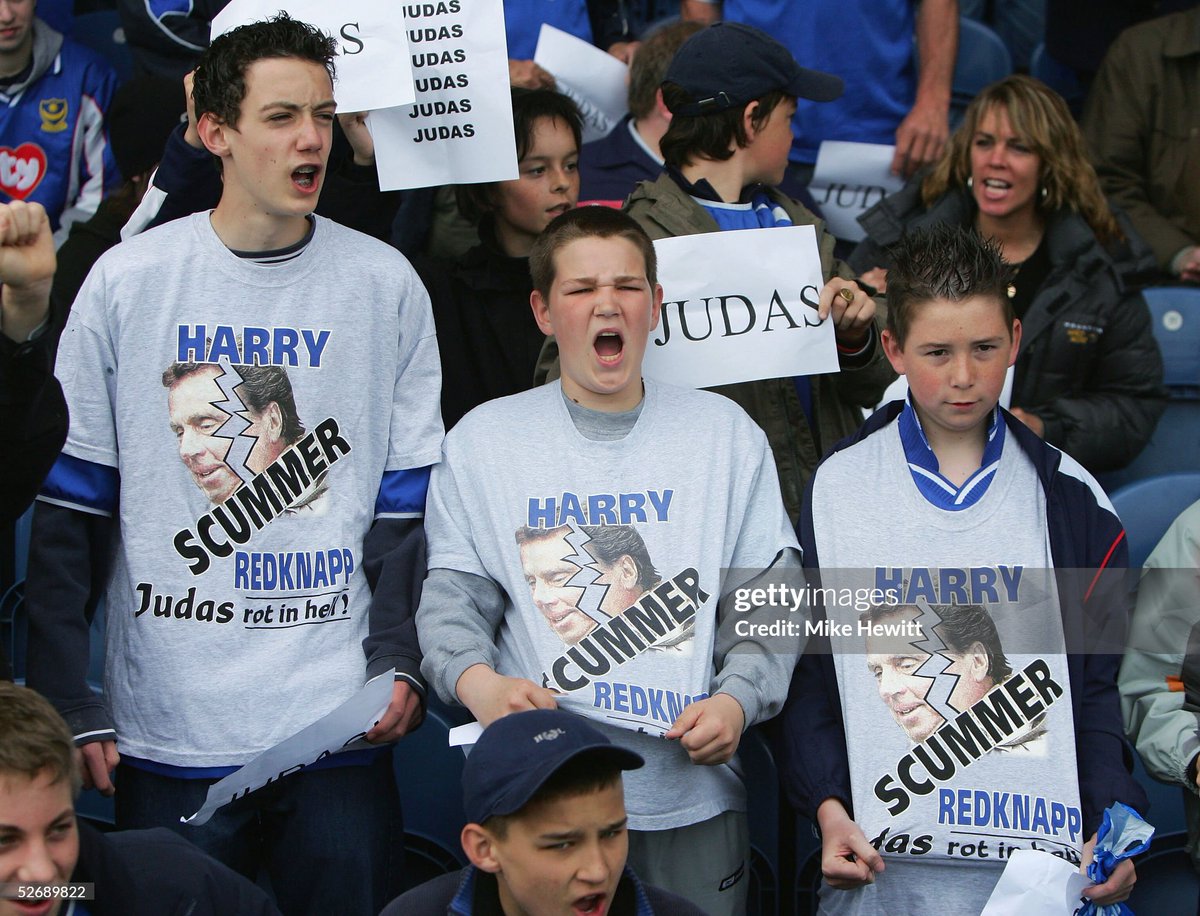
[
  {"x": 515, "y": 756},
  {"x": 730, "y": 64}
]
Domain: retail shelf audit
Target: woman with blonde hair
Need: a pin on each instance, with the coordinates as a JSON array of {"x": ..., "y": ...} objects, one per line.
[{"x": 1089, "y": 375}]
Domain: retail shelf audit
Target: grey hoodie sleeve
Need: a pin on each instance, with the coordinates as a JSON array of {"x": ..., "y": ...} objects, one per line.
[{"x": 457, "y": 621}]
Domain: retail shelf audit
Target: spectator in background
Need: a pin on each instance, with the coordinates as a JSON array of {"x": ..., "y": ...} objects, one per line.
[
  {"x": 604, "y": 23},
  {"x": 896, "y": 92},
  {"x": 143, "y": 113},
  {"x": 1088, "y": 378},
  {"x": 1160, "y": 675},
  {"x": 610, "y": 168},
  {"x": 488, "y": 340},
  {"x": 33, "y": 413},
  {"x": 1142, "y": 121},
  {"x": 53, "y": 96},
  {"x": 167, "y": 37},
  {"x": 134, "y": 872}
]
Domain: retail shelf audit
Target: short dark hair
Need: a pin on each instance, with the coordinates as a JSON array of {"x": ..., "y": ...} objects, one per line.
[
  {"x": 960, "y": 626},
  {"x": 944, "y": 262},
  {"x": 963, "y": 625},
  {"x": 651, "y": 62},
  {"x": 710, "y": 136},
  {"x": 582, "y": 775},
  {"x": 219, "y": 85},
  {"x": 260, "y": 386},
  {"x": 528, "y": 107},
  {"x": 587, "y": 222},
  {"x": 611, "y": 542},
  {"x": 36, "y": 739}
]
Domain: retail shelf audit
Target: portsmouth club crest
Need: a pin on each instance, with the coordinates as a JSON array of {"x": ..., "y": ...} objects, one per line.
[{"x": 54, "y": 115}]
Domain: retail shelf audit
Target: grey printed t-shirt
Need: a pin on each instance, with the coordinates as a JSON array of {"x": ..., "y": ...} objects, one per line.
[
  {"x": 252, "y": 414},
  {"x": 610, "y": 556},
  {"x": 957, "y": 703}
]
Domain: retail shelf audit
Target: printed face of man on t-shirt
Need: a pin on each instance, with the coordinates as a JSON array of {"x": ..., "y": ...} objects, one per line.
[
  {"x": 547, "y": 569},
  {"x": 203, "y": 446},
  {"x": 905, "y": 680}
]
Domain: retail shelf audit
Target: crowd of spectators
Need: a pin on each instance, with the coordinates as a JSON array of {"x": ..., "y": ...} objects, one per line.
[{"x": 327, "y": 355}]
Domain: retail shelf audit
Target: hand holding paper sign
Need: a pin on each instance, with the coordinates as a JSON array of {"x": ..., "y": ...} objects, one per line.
[
  {"x": 853, "y": 312},
  {"x": 402, "y": 715},
  {"x": 491, "y": 696}
]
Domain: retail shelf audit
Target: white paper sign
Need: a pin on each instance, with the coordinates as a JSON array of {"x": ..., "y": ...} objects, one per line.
[
  {"x": 459, "y": 131},
  {"x": 739, "y": 306},
  {"x": 1036, "y": 883},
  {"x": 849, "y": 179},
  {"x": 335, "y": 732},
  {"x": 465, "y": 735},
  {"x": 373, "y": 69},
  {"x": 594, "y": 79}
]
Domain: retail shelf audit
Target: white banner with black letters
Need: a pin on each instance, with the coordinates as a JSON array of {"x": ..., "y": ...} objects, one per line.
[
  {"x": 848, "y": 180},
  {"x": 459, "y": 130},
  {"x": 739, "y": 306},
  {"x": 373, "y": 69}
]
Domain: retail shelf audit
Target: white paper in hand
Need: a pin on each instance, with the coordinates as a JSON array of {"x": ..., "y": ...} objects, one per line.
[
  {"x": 373, "y": 69},
  {"x": 340, "y": 730},
  {"x": 1036, "y": 883},
  {"x": 848, "y": 180},
  {"x": 594, "y": 79}
]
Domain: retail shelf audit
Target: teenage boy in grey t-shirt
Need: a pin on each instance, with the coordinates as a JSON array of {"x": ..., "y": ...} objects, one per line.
[
  {"x": 579, "y": 539},
  {"x": 253, "y": 397}
]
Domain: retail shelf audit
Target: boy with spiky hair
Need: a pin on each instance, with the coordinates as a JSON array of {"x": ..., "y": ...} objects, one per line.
[
  {"x": 238, "y": 610},
  {"x": 967, "y": 506},
  {"x": 604, "y": 447}
]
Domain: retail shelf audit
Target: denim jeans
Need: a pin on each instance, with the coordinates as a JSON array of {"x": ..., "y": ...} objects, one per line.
[{"x": 330, "y": 840}]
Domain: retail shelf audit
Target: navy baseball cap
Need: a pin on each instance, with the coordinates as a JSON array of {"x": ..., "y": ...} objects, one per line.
[
  {"x": 729, "y": 64},
  {"x": 515, "y": 756}
]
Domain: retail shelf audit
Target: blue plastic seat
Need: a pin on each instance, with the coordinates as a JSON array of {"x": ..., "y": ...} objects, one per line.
[
  {"x": 1059, "y": 77},
  {"x": 1166, "y": 881},
  {"x": 982, "y": 59},
  {"x": 1175, "y": 311},
  {"x": 102, "y": 32},
  {"x": 1147, "y": 508}
]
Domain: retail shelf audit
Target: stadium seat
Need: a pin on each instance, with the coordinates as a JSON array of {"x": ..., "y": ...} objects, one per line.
[
  {"x": 102, "y": 32},
  {"x": 1147, "y": 508},
  {"x": 762, "y": 790},
  {"x": 429, "y": 776},
  {"x": 1059, "y": 77},
  {"x": 1175, "y": 311},
  {"x": 982, "y": 59},
  {"x": 1166, "y": 880}
]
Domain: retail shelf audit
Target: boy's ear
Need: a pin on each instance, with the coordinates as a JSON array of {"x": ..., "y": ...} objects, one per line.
[
  {"x": 1016, "y": 341},
  {"x": 212, "y": 133},
  {"x": 748, "y": 115},
  {"x": 479, "y": 845},
  {"x": 541, "y": 312},
  {"x": 656, "y": 306},
  {"x": 893, "y": 351}
]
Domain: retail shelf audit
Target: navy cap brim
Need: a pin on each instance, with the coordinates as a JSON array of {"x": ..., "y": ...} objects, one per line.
[
  {"x": 816, "y": 86},
  {"x": 521, "y": 790}
]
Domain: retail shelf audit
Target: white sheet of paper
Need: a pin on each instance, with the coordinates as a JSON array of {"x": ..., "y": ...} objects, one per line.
[
  {"x": 459, "y": 130},
  {"x": 465, "y": 735},
  {"x": 594, "y": 79},
  {"x": 849, "y": 179},
  {"x": 339, "y": 730},
  {"x": 733, "y": 310},
  {"x": 373, "y": 67},
  {"x": 1036, "y": 883}
]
